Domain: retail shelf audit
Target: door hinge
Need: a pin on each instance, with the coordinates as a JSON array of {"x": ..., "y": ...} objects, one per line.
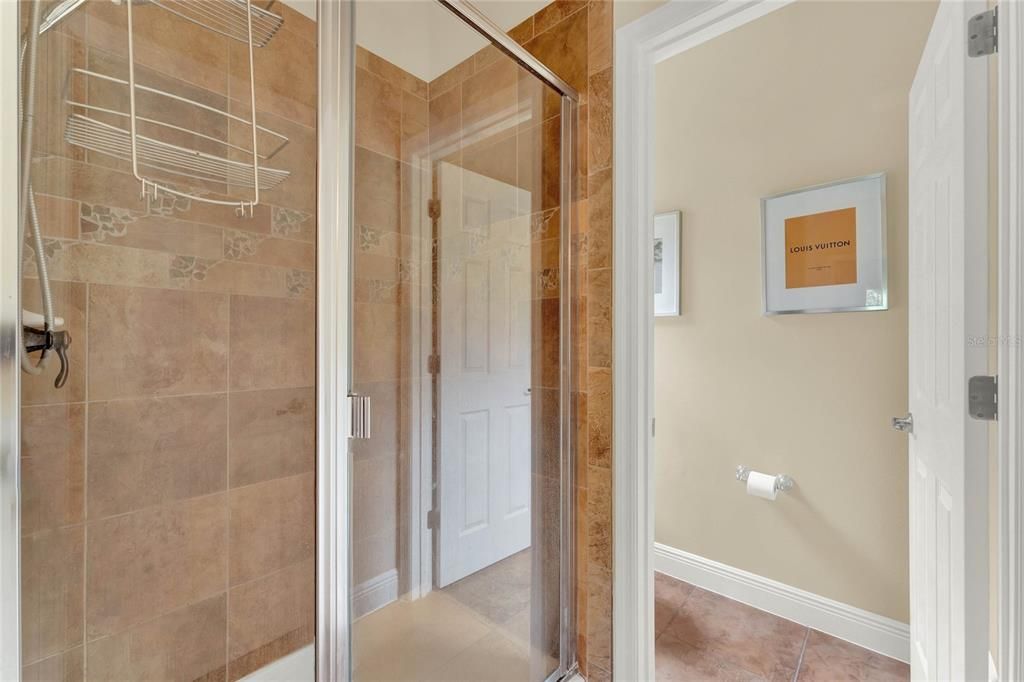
[
  {"x": 434, "y": 208},
  {"x": 359, "y": 420},
  {"x": 433, "y": 519},
  {"x": 434, "y": 364},
  {"x": 983, "y": 398},
  {"x": 652, "y": 427},
  {"x": 983, "y": 33}
]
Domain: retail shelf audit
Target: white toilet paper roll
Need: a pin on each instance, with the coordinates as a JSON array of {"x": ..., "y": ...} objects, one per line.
[{"x": 761, "y": 485}]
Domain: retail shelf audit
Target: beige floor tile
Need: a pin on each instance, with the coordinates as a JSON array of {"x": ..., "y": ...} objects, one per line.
[
  {"x": 744, "y": 636},
  {"x": 669, "y": 595},
  {"x": 827, "y": 659},
  {"x": 677, "y": 660},
  {"x": 408, "y": 640},
  {"x": 495, "y": 657},
  {"x": 500, "y": 592},
  {"x": 704, "y": 636}
]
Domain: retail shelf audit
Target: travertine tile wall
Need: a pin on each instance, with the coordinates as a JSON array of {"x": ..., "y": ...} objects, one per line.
[
  {"x": 575, "y": 39},
  {"x": 169, "y": 487}
]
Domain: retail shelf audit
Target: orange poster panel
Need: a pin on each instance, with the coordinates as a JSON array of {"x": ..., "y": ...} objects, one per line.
[{"x": 821, "y": 249}]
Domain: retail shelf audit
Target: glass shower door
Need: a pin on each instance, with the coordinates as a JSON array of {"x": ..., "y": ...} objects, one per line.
[
  {"x": 461, "y": 538},
  {"x": 168, "y": 485}
]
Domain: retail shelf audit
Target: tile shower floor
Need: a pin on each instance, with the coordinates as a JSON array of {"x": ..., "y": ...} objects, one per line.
[
  {"x": 704, "y": 636},
  {"x": 475, "y": 629}
]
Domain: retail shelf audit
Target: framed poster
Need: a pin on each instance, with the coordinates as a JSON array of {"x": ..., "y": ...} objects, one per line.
[
  {"x": 666, "y": 263},
  {"x": 823, "y": 248}
]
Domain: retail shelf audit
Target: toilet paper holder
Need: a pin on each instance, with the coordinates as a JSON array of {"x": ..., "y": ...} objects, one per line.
[{"x": 782, "y": 481}]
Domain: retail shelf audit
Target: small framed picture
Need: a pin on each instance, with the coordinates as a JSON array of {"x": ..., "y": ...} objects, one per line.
[
  {"x": 666, "y": 264},
  {"x": 823, "y": 248}
]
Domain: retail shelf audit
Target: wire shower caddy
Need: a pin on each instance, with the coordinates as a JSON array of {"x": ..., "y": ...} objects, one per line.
[{"x": 235, "y": 166}]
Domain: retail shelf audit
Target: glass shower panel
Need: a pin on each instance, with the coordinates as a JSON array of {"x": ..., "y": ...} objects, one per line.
[
  {"x": 456, "y": 507},
  {"x": 168, "y": 515}
]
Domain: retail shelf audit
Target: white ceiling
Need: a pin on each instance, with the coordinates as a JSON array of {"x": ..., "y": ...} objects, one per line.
[{"x": 421, "y": 36}]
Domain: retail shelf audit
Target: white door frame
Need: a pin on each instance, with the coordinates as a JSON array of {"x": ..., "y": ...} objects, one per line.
[
  {"x": 1010, "y": 482},
  {"x": 639, "y": 46}
]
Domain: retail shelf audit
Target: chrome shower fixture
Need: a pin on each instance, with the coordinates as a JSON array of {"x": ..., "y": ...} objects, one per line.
[{"x": 38, "y": 340}]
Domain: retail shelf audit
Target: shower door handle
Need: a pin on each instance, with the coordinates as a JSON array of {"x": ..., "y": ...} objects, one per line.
[{"x": 359, "y": 411}]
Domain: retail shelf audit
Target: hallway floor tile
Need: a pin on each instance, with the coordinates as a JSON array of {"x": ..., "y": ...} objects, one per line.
[{"x": 708, "y": 637}]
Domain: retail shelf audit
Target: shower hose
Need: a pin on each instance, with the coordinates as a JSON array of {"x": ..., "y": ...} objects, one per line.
[{"x": 27, "y": 212}]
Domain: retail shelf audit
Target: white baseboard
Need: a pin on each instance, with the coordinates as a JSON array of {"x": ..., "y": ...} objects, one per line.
[
  {"x": 863, "y": 628},
  {"x": 375, "y": 593}
]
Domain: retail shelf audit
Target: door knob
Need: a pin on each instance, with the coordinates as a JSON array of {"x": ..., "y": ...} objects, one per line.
[{"x": 904, "y": 424}]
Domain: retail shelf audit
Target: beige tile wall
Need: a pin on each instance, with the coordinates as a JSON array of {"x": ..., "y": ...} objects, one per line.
[
  {"x": 575, "y": 39},
  {"x": 168, "y": 488}
]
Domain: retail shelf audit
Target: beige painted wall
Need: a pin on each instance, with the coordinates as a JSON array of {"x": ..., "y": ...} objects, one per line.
[
  {"x": 628, "y": 11},
  {"x": 808, "y": 94}
]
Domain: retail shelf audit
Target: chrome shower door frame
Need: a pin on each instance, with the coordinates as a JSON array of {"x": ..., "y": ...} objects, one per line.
[
  {"x": 335, "y": 146},
  {"x": 570, "y": 98},
  {"x": 10, "y": 371},
  {"x": 334, "y": 328}
]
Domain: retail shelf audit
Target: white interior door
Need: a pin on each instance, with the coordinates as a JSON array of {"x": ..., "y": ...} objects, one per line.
[
  {"x": 484, "y": 385},
  {"x": 948, "y": 304}
]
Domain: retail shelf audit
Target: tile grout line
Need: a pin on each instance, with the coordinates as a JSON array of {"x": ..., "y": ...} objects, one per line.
[
  {"x": 177, "y": 609},
  {"x": 227, "y": 489},
  {"x": 677, "y": 609},
  {"x": 181, "y": 501},
  {"x": 171, "y": 396},
  {"x": 803, "y": 650},
  {"x": 227, "y": 374},
  {"x": 85, "y": 487}
]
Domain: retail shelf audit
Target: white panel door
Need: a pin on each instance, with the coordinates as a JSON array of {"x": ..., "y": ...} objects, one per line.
[
  {"x": 484, "y": 404},
  {"x": 948, "y": 304}
]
